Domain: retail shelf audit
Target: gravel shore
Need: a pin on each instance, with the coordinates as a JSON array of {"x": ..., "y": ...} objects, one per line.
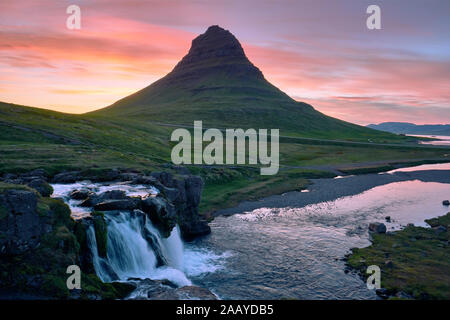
[{"x": 322, "y": 190}]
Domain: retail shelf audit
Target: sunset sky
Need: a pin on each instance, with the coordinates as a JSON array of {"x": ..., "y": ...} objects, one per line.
[{"x": 317, "y": 51}]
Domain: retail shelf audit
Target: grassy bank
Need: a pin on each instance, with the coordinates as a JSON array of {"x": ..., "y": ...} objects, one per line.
[
  {"x": 225, "y": 188},
  {"x": 32, "y": 138},
  {"x": 415, "y": 260}
]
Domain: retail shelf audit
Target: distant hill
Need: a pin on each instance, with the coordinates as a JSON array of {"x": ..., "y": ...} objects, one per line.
[
  {"x": 411, "y": 128},
  {"x": 216, "y": 83}
]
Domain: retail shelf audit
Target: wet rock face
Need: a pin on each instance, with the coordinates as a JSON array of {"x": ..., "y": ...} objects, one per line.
[
  {"x": 185, "y": 192},
  {"x": 161, "y": 213},
  {"x": 20, "y": 226},
  {"x": 121, "y": 204},
  {"x": 164, "y": 290},
  {"x": 95, "y": 199}
]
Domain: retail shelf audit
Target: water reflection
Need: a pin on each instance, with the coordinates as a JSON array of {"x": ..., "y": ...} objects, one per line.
[{"x": 297, "y": 252}]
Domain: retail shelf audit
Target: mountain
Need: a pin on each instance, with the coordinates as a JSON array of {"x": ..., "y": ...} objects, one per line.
[
  {"x": 411, "y": 128},
  {"x": 216, "y": 83}
]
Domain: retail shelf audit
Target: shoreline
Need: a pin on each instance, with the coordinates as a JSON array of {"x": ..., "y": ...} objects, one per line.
[{"x": 329, "y": 189}]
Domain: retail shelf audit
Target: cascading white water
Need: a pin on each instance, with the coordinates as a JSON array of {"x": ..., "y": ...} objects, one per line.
[
  {"x": 173, "y": 249},
  {"x": 136, "y": 248}
]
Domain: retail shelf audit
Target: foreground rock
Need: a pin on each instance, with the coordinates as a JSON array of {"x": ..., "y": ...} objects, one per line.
[
  {"x": 94, "y": 199},
  {"x": 377, "y": 227},
  {"x": 21, "y": 226},
  {"x": 124, "y": 204},
  {"x": 184, "y": 192},
  {"x": 164, "y": 290}
]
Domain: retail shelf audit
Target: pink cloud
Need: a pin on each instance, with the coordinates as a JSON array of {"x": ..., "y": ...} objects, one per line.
[{"x": 125, "y": 45}]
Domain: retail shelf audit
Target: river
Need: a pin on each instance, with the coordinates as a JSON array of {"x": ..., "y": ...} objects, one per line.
[{"x": 296, "y": 252}]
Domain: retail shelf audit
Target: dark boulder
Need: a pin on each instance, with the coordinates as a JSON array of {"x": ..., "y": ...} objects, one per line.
[
  {"x": 161, "y": 213},
  {"x": 165, "y": 290},
  {"x": 41, "y": 186},
  {"x": 67, "y": 177},
  {"x": 81, "y": 194},
  {"x": 184, "y": 192},
  {"x": 446, "y": 203},
  {"x": 171, "y": 194},
  {"x": 190, "y": 191},
  {"x": 123, "y": 204},
  {"x": 377, "y": 227},
  {"x": 95, "y": 199},
  {"x": 194, "y": 292},
  {"x": 197, "y": 229},
  {"x": 165, "y": 178},
  {"x": 21, "y": 226}
]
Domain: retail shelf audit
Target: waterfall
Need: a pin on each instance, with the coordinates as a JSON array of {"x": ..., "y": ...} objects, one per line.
[{"x": 136, "y": 249}]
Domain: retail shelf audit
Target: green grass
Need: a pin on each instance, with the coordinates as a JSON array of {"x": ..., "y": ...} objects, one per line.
[
  {"x": 225, "y": 188},
  {"x": 33, "y": 138},
  {"x": 420, "y": 260}
]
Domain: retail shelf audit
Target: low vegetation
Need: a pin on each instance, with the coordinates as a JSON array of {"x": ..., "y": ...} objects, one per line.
[{"x": 414, "y": 261}]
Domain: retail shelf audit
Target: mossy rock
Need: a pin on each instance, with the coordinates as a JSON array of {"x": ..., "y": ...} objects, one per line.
[
  {"x": 80, "y": 231},
  {"x": 101, "y": 234},
  {"x": 54, "y": 286},
  {"x": 3, "y": 212}
]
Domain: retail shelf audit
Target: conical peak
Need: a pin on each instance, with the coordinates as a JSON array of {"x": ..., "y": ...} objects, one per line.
[{"x": 216, "y": 42}]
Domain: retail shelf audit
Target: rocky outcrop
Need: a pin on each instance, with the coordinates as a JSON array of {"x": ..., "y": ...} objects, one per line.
[
  {"x": 165, "y": 290},
  {"x": 94, "y": 199},
  {"x": 81, "y": 194},
  {"x": 161, "y": 212},
  {"x": 177, "y": 203},
  {"x": 184, "y": 192},
  {"x": 377, "y": 227},
  {"x": 21, "y": 226},
  {"x": 121, "y": 204},
  {"x": 41, "y": 186}
]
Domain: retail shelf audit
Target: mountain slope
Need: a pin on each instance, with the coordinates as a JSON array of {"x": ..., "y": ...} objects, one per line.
[
  {"x": 216, "y": 83},
  {"x": 411, "y": 128}
]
